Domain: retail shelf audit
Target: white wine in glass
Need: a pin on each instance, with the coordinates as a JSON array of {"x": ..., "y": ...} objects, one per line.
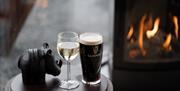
[{"x": 68, "y": 50}]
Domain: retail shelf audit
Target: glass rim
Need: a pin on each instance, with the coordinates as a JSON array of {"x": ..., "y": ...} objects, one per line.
[
  {"x": 75, "y": 35},
  {"x": 97, "y": 33}
]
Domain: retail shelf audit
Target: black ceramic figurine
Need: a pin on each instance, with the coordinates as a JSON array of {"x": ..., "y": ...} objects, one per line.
[{"x": 35, "y": 63}]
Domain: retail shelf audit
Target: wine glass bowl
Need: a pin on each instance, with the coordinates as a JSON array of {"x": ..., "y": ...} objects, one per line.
[{"x": 68, "y": 50}]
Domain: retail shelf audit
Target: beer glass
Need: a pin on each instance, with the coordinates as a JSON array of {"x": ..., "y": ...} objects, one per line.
[
  {"x": 91, "y": 50},
  {"x": 68, "y": 49}
]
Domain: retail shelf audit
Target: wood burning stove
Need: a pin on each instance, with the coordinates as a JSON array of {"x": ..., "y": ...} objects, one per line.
[
  {"x": 146, "y": 32},
  {"x": 146, "y": 42}
]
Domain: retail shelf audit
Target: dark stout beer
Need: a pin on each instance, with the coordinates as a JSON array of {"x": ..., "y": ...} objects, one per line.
[{"x": 91, "y": 49}]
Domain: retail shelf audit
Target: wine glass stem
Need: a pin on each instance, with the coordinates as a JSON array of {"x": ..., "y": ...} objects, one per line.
[{"x": 68, "y": 71}]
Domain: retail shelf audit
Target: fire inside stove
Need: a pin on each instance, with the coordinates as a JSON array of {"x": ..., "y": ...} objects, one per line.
[{"x": 152, "y": 38}]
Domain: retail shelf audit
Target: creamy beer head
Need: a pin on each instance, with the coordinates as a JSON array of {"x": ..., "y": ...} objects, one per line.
[{"x": 90, "y": 39}]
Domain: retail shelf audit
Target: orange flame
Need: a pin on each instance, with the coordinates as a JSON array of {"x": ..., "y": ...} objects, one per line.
[
  {"x": 130, "y": 33},
  {"x": 167, "y": 42},
  {"x": 151, "y": 33},
  {"x": 175, "y": 21},
  {"x": 140, "y": 39}
]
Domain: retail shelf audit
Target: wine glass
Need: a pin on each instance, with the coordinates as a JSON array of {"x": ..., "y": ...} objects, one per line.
[{"x": 68, "y": 49}]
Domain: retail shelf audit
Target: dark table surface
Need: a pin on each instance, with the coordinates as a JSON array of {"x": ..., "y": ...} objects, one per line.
[{"x": 16, "y": 84}]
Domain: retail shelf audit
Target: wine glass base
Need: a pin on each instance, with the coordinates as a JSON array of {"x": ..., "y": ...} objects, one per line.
[
  {"x": 91, "y": 83},
  {"x": 71, "y": 84}
]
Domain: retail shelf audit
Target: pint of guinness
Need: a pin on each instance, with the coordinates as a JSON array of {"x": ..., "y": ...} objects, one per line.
[{"x": 91, "y": 50}]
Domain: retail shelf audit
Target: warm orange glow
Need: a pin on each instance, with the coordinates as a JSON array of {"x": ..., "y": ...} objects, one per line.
[
  {"x": 151, "y": 33},
  {"x": 166, "y": 44},
  {"x": 175, "y": 21},
  {"x": 42, "y": 3},
  {"x": 150, "y": 27},
  {"x": 133, "y": 53},
  {"x": 140, "y": 39},
  {"x": 130, "y": 33}
]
